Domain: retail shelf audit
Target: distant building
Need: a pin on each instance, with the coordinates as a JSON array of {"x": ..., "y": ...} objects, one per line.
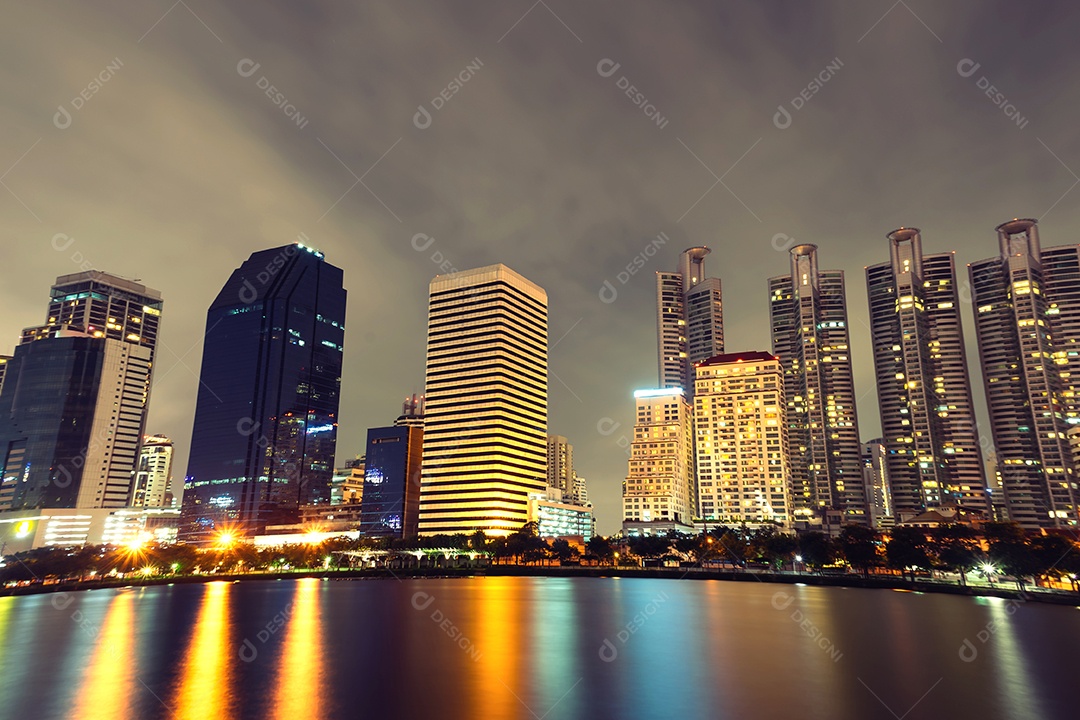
[
  {"x": 3, "y": 369},
  {"x": 689, "y": 320},
  {"x": 153, "y": 479},
  {"x": 485, "y": 417},
  {"x": 1027, "y": 319},
  {"x": 266, "y": 413},
  {"x": 412, "y": 412},
  {"x": 391, "y": 502},
  {"x": 876, "y": 481},
  {"x": 659, "y": 485},
  {"x": 560, "y": 519},
  {"x": 560, "y": 465},
  {"x": 347, "y": 485},
  {"x": 924, "y": 392},
  {"x": 22, "y": 530},
  {"x": 809, "y": 323},
  {"x": 740, "y": 435}
]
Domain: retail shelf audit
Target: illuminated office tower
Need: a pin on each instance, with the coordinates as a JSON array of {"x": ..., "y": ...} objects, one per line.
[
  {"x": 689, "y": 319},
  {"x": 809, "y": 322},
  {"x": 153, "y": 479},
  {"x": 485, "y": 421},
  {"x": 742, "y": 458},
  {"x": 924, "y": 392},
  {"x": 659, "y": 486},
  {"x": 1027, "y": 318},
  {"x": 266, "y": 412}
]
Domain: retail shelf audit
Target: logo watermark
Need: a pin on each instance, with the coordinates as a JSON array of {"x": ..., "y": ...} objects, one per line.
[
  {"x": 62, "y": 118},
  {"x": 782, "y": 601},
  {"x": 782, "y": 117},
  {"x": 422, "y": 118},
  {"x": 608, "y": 292},
  {"x": 608, "y": 651},
  {"x": 248, "y": 67},
  {"x": 967, "y": 68},
  {"x": 608, "y": 67},
  {"x": 422, "y": 601},
  {"x": 248, "y": 650}
]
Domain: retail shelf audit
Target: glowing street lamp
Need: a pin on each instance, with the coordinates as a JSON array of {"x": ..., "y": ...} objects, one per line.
[{"x": 225, "y": 540}]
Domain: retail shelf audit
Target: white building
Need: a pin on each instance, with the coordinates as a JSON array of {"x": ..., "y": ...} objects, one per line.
[
  {"x": 22, "y": 530},
  {"x": 153, "y": 479},
  {"x": 485, "y": 438},
  {"x": 741, "y": 440},
  {"x": 659, "y": 486}
]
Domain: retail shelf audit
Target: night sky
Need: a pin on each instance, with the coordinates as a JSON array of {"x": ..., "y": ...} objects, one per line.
[{"x": 138, "y": 139}]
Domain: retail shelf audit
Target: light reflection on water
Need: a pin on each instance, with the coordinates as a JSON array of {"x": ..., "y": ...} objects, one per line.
[{"x": 528, "y": 647}]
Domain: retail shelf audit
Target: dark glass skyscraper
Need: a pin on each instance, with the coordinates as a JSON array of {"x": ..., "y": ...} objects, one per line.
[
  {"x": 267, "y": 408},
  {"x": 391, "y": 500}
]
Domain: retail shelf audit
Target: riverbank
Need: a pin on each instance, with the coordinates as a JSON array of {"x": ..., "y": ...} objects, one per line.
[{"x": 1058, "y": 597}]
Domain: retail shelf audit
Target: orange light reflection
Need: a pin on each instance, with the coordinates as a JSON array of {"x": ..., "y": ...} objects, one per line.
[
  {"x": 300, "y": 678},
  {"x": 108, "y": 684},
  {"x": 204, "y": 690}
]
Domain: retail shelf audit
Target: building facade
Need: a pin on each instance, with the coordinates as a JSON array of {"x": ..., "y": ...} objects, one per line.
[
  {"x": 924, "y": 391},
  {"x": 1027, "y": 319},
  {"x": 485, "y": 418},
  {"x": 391, "y": 501},
  {"x": 741, "y": 451},
  {"x": 266, "y": 413},
  {"x": 153, "y": 479},
  {"x": 809, "y": 323},
  {"x": 560, "y": 466},
  {"x": 71, "y": 415},
  {"x": 876, "y": 481},
  {"x": 560, "y": 519},
  {"x": 689, "y": 320},
  {"x": 660, "y": 485}
]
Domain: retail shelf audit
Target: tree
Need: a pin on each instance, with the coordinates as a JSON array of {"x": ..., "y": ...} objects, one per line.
[
  {"x": 1049, "y": 551},
  {"x": 1010, "y": 549},
  {"x": 563, "y": 550},
  {"x": 600, "y": 548},
  {"x": 956, "y": 547},
  {"x": 478, "y": 541},
  {"x": 908, "y": 548},
  {"x": 860, "y": 547},
  {"x": 817, "y": 549}
]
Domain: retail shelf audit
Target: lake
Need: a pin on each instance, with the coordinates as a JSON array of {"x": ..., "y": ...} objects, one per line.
[{"x": 525, "y": 647}]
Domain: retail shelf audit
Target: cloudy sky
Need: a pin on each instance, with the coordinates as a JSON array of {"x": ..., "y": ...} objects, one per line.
[{"x": 143, "y": 132}]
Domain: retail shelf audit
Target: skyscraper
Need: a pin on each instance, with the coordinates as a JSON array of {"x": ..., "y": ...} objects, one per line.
[
  {"x": 267, "y": 407},
  {"x": 741, "y": 452},
  {"x": 876, "y": 480},
  {"x": 924, "y": 393},
  {"x": 154, "y": 475},
  {"x": 689, "y": 319},
  {"x": 560, "y": 466},
  {"x": 809, "y": 322},
  {"x": 659, "y": 485},
  {"x": 485, "y": 422},
  {"x": 1027, "y": 318},
  {"x": 391, "y": 499},
  {"x": 71, "y": 417}
]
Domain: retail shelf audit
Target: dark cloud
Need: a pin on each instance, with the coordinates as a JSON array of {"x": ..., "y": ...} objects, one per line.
[{"x": 179, "y": 166}]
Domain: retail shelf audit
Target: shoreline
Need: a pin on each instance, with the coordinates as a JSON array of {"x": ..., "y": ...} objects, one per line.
[{"x": 1056, "y": 597}]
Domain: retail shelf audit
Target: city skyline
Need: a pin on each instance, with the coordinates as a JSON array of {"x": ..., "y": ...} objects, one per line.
[{"x": 180, "y": 161}]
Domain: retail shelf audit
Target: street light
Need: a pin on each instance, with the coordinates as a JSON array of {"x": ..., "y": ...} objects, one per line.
[{"x": 798, "y": 559}]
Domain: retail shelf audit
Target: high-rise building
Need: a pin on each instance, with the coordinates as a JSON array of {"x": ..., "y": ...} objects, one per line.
[
  {"x": 485, "y": 420},
  {"x": 560, "y": 466},
  {"x": 581, "y": 491},
  {"x": 924, "y": 392},
  {"x": 876, "y": 481},
  {"x": 1027, "y": 319},
  {"x": 391, "y": 501},
  {"x": 659, "y": 485},
  {"x": 740, "y": 439},
  {"x": 267, "y": 407},
  {"x": 71, "y": 416},
  {"x": 4, "y": 359},
  {"x": 689, "y": 319},
  {"x": 153, "y": 479},
  {"x": 412, "y": 412},
  {"x": 809, "y": 322}
]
